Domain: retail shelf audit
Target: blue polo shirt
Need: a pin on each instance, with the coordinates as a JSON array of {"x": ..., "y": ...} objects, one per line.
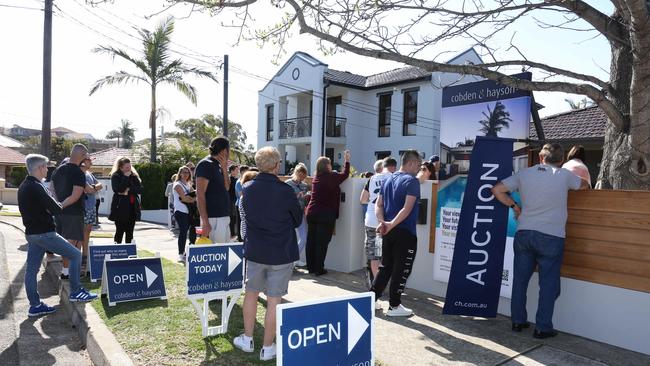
[
  {"x": 394, "y": 192},
  {"x": 271, "y": 214}
]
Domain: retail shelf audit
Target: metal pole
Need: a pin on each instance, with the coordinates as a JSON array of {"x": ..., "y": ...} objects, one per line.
[
  {"x": 46, "y": 128},
  {"x": 225, "y": 95}
]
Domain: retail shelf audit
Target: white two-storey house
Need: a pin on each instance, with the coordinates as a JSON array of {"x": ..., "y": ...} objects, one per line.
[{"x": 308, "y": 110}]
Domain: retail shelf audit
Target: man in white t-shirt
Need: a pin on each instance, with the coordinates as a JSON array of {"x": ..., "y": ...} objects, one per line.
[
  {"x": 541, "y": 230},
  {"x": 369, "y": 196}
]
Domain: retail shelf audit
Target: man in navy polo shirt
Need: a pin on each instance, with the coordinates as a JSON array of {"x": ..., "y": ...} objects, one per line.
[{"x": 397, "y": 218}]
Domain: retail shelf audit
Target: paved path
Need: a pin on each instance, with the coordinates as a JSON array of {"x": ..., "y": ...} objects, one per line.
[
  {"x": 429, "y": 338},
  {"x": 47, "y": 340}
]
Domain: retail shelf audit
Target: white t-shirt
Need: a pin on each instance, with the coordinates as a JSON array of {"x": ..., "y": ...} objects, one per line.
[
  {"x": 178, "y": 204},
  {"x": 544, "y": 191},
  {"x": 374, "y": 188}
]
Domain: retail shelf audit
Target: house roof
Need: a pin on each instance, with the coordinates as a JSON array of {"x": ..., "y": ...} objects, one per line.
[
  {"x": 385, "y": 78},
  {"x": 7, "y": 141},
  {"x": 107, "y": 157},
  {"x": 579, "y": 124},
  {"x": 11, "y": 157},
  {"x": 63, "y": 130}
]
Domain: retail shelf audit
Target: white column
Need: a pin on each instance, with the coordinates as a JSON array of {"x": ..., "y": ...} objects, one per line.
[{"x": 316, "y": 132}]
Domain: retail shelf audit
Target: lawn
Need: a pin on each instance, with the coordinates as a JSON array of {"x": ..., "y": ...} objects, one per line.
[{"x": 168, "y": 332}]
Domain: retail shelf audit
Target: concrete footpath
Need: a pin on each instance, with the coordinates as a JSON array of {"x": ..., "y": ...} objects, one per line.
[
  {"x": 428, "y": 337},
  {"x": 47, "y": 340}
]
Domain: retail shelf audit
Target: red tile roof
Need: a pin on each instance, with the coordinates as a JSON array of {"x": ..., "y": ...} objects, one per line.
[
  {"x": 107, "y": 157},
  {"x": 585, "y": 123},
  {"x": 11, "y": 157}
]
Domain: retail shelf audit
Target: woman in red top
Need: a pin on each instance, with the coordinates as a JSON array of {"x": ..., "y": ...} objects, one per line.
[{"x": 322, "y": 212}]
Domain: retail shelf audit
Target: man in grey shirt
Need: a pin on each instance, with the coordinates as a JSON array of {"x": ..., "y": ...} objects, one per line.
[{"x": 540, "y": 233}]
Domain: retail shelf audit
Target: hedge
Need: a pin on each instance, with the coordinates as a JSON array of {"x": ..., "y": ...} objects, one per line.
[
  {"x": 17, "y": 175},
  {"x": 155, "y": 177}
]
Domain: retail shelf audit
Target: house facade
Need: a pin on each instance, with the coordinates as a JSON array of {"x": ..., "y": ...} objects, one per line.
[{"x": 307, "y": 110}]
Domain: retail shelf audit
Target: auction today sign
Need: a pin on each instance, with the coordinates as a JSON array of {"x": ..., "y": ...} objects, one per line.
[
  {"x": 214, "y": 268},
  {"x": 334, "y": 331},
  {"x": 133, "y": 279}
]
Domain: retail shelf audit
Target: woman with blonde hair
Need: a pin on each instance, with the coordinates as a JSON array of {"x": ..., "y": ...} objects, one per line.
[
  {"x": 301, "y": 189},
  {"x": 184, "y": 209},
  {"x": 125, "y": 206}
]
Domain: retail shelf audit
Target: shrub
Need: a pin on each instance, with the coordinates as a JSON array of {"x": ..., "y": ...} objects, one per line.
[
  {"x": 154, "y": 181},
  {"x": 17, "y": 175}
]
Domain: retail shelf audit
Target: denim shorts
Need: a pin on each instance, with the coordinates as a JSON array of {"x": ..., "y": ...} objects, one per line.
[{"x": 272, "y": 280}]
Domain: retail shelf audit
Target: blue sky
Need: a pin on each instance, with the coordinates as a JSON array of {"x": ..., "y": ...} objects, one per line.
[{"x": 75, "y": 68}]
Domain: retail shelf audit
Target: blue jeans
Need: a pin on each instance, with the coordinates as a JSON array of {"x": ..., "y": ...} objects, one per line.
[
  {"x": 184, "y": 224},
  {"x": 535, "y": 248},
  {"x": 38, "y": 244}
]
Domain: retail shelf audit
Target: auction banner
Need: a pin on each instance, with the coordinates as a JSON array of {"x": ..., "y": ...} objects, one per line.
[
  {"x": 477, "y": 264},
  {"x": 483, "y": 108}
]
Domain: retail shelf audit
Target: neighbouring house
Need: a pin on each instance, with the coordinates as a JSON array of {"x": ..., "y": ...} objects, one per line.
[
  {"x": 17, "y": 131},
  {"x": 9, "y": 158},
  {"x": 7, "y": 141},
  {"x": 103, "y": 160},
  {"x": 584, "y": 127},
  {"x": 372, "y": 116}
]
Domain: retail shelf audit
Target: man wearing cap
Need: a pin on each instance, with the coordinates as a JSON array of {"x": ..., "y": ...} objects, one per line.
[{"x": 439, "y": 173}]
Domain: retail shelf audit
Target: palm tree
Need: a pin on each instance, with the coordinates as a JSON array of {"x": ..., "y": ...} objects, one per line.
[
  {"x": 126, "y": 132},
  {"x": 580, "y": 104},
  {"x": 495, "y": 120},
  {"x": 154, "y": 67}
]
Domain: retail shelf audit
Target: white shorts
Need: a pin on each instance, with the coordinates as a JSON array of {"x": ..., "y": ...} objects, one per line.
[{"x": 220, "y": 229}]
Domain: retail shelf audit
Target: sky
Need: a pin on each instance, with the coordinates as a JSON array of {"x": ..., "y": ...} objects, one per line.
[{"x": 77, "y": 29}]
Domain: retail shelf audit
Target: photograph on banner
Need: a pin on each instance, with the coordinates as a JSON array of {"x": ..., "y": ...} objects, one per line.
[{"x": 483, "y": 108}]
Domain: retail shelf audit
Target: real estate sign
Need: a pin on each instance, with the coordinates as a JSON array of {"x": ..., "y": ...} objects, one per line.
[{"x": 483, "y": 108}]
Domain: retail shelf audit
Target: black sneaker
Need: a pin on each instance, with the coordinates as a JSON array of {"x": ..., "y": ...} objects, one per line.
[
  {"x": 65, "y": 277},
  {"x": 542, "y": 335}
]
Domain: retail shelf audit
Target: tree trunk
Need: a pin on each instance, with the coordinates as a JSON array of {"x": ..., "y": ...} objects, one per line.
[
  {"x": 152, "y": 125},
  {"x": 626, "y": 152}
]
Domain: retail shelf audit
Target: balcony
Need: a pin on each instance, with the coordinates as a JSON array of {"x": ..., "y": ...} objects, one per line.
[
  {"x": 293, "y": 128},
  {"x": 336, "y": 126}
]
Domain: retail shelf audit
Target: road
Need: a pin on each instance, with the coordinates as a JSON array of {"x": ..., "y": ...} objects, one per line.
[{"x": 25, "y": 341}]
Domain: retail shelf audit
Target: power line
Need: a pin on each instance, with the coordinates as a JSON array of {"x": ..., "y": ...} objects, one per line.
[{"x": 20, "y": 7}]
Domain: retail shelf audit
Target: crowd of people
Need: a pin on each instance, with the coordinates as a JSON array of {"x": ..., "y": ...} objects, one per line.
[{"x": 289, "y": 223}]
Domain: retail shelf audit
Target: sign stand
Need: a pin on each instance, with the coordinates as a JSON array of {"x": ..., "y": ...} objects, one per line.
[
  {"x": 214, "y": 272},
  {"x": 203, "y": 311}
]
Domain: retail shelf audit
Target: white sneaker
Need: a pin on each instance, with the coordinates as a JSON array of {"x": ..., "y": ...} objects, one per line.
[
  {"x": 377, "y": 305},
  {"x": 300, "y": 263},
  {"x": 244, "y": 345},
  {"x": 268, "y": 353},
  {"x": 399, "y": 311},
  {"x": 181, "y": 257}
]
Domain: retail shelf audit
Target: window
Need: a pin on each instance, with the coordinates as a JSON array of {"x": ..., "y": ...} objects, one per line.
[
  {"x": 410, "y": 112},
  {"x": 269, "y": 122},
  {"x": 382, "y": 154},
  {"x": 384, "y": 114}
]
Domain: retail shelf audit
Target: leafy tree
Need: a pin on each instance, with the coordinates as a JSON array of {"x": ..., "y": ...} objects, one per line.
[
  {"x": 417, "y": 32},
  {"x": 126, "y": 133},
  {"x": 155, "y": 67},
  {"x": 59, "y": 147},
  {"x": 495, "y": 120},
  {"x": 207, "y": 127}
]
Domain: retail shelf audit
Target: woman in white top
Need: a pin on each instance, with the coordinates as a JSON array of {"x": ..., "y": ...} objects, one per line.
[
  {"x": 184, "y": 197},
  {"x": 576, "y": 163}
]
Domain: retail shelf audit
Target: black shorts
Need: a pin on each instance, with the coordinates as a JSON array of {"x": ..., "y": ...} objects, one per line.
[{"x": 71, "y": 227}]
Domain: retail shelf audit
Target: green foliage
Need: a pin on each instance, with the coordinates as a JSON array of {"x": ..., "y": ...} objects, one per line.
[
  {"x": 59, "y": 147},
  {"x": 154, "y": 181},
  {"x": 155, "y": 66},
  {"x": 189, "y": 151},
  {"x": 204, "y": 129},
  {"x": 125, "y": 134},
  {"x": 17, "y": 175}
]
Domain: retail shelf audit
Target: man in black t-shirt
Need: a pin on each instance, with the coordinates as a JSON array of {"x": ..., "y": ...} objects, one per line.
[
  {"x": 69, "y": 181},
  {"x": 212, "y": 185}
]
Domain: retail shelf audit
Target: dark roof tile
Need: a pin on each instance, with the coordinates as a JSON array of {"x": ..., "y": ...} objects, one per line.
[{"x": 585, "y": 123}]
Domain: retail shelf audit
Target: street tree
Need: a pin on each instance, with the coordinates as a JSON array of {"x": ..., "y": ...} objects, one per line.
[
  {"x": 410, "y": 32},
  {"x": 125, "y": 133},
  {"x": 155, "y": 67}
]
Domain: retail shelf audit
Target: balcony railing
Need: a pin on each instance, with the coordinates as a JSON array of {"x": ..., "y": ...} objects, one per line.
[
  {"x": 336, "y": 126},
  {"x": 292, "y": 128}
]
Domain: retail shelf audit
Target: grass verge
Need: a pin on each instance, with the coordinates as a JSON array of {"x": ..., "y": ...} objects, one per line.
[{"x": 168, "y": 332}]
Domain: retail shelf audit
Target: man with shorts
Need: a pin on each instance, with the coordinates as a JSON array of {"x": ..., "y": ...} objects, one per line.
[
  {"x": 397, "y": 217},
  {"x": 212, "y": 185},
  {"x": 369, "y": 196},
  {"x": 271, "y": 214},
  {"x": 69, "y": 182}
]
